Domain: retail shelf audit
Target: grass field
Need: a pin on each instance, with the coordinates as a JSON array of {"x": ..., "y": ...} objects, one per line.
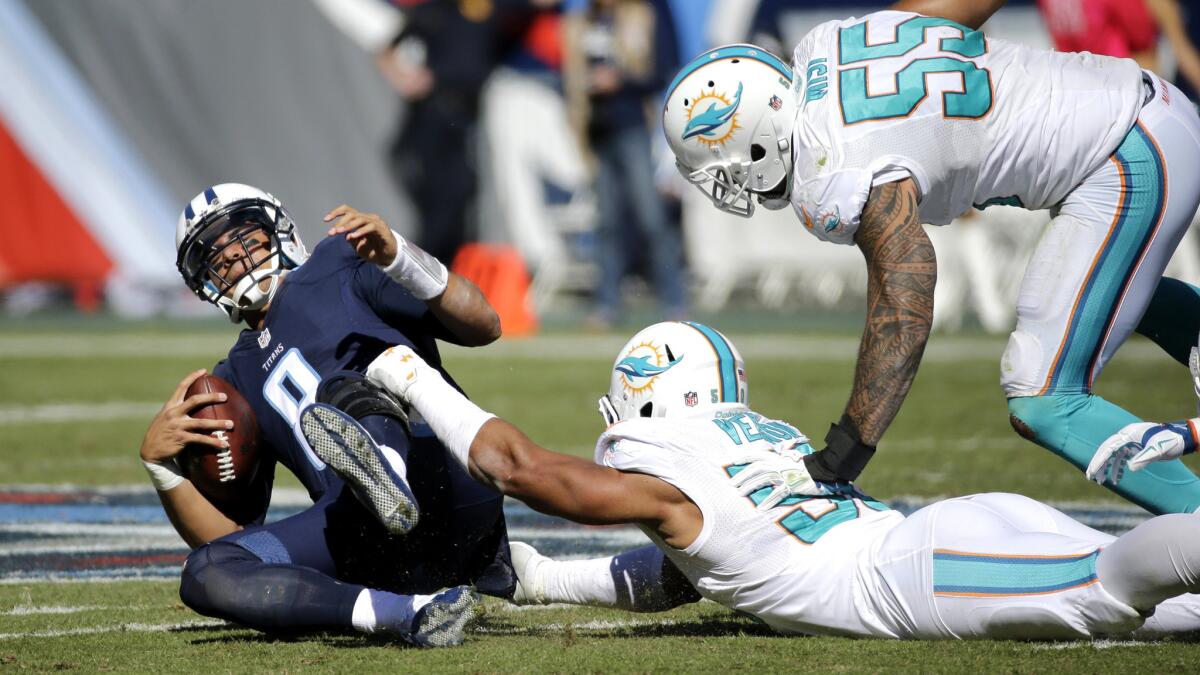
[{"x": 75, "y": 399}]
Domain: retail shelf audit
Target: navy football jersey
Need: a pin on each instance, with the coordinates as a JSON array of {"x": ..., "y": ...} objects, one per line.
[{"x": 334, "y": 312}]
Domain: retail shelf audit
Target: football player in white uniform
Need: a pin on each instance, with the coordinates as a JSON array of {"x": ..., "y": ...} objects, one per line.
[
  {"x": 720, "y": 491},
  {"x": 885, "y": 122}
]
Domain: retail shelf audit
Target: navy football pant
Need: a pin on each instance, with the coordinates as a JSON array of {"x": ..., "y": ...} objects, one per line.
[{"x": 304, "y": 573}]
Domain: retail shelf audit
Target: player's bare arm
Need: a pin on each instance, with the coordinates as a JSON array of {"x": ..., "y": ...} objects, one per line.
[
  {"x": 464, "y": 310},
  {"x": 901, "y": 273},
  {"x": 195, "y": 518},
  {"x": 503, "y": 457},
  {"x": 499, "y": 455},
  {"x": 453, "y": 299},
  {"x": 970, "y": 13}
]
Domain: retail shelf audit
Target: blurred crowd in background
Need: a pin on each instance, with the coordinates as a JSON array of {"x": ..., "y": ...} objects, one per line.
[{"x": 516, "y": 139}]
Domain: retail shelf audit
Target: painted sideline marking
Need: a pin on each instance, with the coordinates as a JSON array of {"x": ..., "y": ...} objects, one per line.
[
  {"x": 63, "y": 533},
  {"x": 118, "y": 628}
]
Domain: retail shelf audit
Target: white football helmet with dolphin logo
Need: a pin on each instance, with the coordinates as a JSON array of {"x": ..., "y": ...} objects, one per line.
[
  {"x": 728, "y": 118},
  {"x": 221, "y": 217},
  {"x": 675, "y": 368}
]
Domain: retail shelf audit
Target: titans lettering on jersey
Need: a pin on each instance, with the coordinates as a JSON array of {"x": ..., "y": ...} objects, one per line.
[{"x": 335, "y": 312}]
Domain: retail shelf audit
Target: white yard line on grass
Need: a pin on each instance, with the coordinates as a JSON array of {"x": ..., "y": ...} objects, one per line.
[
  {"x": 280, "y": 496},
  {"x": 606, "y": 624},
  {"x": 114, "y": 579},
  {"x": 26, "y": 610},
  {"x": 122, "y": 532},
  {"x": 55, "y": 413},
  {"x": 1094, "y": 644},
  {"x": 117, "y": 628},
  {"x": 167, "y": 544},
  {"x": 550, "y": 347}
]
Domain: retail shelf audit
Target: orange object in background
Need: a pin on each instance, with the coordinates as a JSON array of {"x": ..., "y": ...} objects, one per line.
[
  {"x": 41, "y": 239},
  {"x": 499, "y": 271}
]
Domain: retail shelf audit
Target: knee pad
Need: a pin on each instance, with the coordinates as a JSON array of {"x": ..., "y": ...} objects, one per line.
[
  {"x": 209, "y": 579},
  {"x": 352, "y": 393},
  {"x": 1044, "y": 419},
  {"x": 1021, "y": 365}
]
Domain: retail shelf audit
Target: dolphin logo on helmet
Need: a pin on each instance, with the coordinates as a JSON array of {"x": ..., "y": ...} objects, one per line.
[
  {"x": 640, "y": 366},
  {"x": 707, "y": 122},
  {"x": 662, "y": 370},
  {"x": 734, "y": 170}
]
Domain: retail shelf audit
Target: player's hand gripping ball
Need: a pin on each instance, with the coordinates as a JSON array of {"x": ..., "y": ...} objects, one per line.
[{"x": 223, "y": 475}]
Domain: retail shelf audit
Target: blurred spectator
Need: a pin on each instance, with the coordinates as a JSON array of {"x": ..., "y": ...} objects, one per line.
[
  {"x": 531, "y": 149},
  {"x": 1181, "y": 26},
  {"x": 439, "y": 62},
  {"x": 1124, "y": 28},
  {"x": 620, "y": 54}
]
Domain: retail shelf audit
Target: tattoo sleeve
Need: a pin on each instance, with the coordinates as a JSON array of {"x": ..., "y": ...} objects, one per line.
[{"x": 901, "y": 273}]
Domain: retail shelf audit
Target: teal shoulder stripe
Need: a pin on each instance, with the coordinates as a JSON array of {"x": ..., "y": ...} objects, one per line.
[
  {"x": 730, "y": 52},
  {"x": 725, "y": 360}
]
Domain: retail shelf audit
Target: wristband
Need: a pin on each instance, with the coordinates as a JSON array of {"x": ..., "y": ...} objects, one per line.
[
  {"x": 165, "y": 475},
  {"x": 844, "y": 456},
  {"x": 422, "y": 274}
]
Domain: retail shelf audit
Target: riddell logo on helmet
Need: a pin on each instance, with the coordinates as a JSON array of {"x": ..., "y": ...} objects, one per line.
[{"x": 712, "y": 117}]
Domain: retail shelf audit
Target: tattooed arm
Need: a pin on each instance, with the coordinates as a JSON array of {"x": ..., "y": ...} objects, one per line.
[{"x": 901, "y": 272}]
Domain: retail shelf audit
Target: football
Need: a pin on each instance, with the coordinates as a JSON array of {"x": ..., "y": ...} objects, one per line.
[{"x": 225, "y": 476}]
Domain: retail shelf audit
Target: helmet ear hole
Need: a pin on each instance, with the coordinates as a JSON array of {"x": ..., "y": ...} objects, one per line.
[
  {"x": 757, "y": 152},
  {"x": 646, "y": 410}
]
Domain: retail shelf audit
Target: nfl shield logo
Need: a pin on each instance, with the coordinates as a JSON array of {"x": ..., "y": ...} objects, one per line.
[
  {"x": 776, "y": 103},
  {"x": 690, "y": 399},
  {"x": 264, "y": 338}
]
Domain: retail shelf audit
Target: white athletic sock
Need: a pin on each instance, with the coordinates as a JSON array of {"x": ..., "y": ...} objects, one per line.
[
  {"x": 631, "y": 581},
  {"x": 384, "y": 612},
  {"x": 395, "y": 461},
  {"x": 578, "y": 582}
]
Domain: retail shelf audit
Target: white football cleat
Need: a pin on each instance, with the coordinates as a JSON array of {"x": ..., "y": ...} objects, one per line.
[{"x": 526, "y": 561}]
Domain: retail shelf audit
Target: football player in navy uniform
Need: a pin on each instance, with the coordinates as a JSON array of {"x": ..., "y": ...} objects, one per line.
[{"x": 377, "y": 561}]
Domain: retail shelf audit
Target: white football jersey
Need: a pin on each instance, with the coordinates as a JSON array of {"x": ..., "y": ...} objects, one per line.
[
  {"x": 972, "y": 120},
  {"x": 796, "y": 566}
]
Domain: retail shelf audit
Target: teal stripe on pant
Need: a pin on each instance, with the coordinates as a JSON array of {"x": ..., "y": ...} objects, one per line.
[
  {"x": 976, "y": 574},
  {"x": 1067, "y": 419},
  {"x": 1138, "y": 215}
]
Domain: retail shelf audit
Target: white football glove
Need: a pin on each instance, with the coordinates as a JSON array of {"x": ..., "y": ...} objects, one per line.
[
  {"x": 398, "y": 369},
  {"x": 784, "y": 471},
  {"x": 1137, "y": 445}
]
